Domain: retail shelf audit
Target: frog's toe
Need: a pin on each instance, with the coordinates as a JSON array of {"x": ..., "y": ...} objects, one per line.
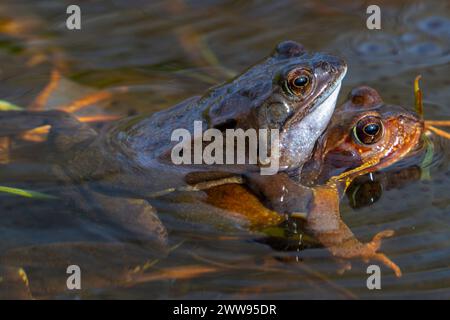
[
  {"x": 344, "y": 266},
  {"x": 376, "y": 240},
  {"x": 371, "y": 253},
  {"x": 389, "y": 263}
]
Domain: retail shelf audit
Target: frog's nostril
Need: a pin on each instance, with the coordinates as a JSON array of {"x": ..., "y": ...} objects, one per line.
[
  {"x": 326, "y": 67},
  {"x": 338, "y": 64},
  {"x": 411, "y": 118}
]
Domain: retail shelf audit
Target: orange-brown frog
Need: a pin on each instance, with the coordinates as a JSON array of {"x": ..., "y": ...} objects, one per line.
[{"x": 364, "y": 135}]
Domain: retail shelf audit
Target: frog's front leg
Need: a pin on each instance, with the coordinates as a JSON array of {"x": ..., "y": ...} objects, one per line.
[
  {"x": 324, "y": 221},
  {"x": 280, "y": 193}
]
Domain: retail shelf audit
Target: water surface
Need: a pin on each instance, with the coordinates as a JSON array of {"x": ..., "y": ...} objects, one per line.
[{"x": 165, "y": 51}]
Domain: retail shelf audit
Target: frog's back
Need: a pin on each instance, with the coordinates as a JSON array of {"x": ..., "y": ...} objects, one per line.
[
  {"x": 144, "y": 139},
  {"x": 127, "y": 154}
]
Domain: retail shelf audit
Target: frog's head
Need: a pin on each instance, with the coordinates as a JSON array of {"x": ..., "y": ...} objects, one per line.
[
  {"x": 292, "y": 91},
  {"x": 364, "y": 129}
]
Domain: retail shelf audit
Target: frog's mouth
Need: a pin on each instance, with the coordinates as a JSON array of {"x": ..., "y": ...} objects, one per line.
[
  {"x": 330, "y": 95},
  {"x": 299, "y": 139}
]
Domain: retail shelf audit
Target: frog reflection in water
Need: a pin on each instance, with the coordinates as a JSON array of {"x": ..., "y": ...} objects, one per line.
[
  {"x": 291, "y": 90},
  {"x": 323, "y": 221},
  {"x": 364, "y": 135}
]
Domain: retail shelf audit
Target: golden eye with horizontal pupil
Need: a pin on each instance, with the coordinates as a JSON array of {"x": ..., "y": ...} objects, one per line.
[
  {"x": 368, "y": 130},
  {"x": 299, "y": 81}
]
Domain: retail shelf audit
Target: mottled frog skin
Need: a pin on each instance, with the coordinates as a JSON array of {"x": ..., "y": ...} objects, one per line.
[{"x": 117, "y": 169}]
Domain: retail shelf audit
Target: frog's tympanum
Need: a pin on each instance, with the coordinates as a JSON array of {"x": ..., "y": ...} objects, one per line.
[
  {"x": 292, "y": 90},
  {"x": 364, "y": 135}
]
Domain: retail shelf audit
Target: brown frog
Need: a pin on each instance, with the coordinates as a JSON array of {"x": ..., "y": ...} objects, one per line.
[
  {"x": 292, "y": 91},
  {"x": 364, "y": 135}
]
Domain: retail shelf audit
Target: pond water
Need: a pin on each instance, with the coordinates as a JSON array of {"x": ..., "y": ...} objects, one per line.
[{"x": 166, "y": 51}]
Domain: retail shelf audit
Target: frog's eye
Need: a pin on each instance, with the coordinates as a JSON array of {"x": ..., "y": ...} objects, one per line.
[
  {"x": 368, "y": 130},
  {"x": 299, "y": 82}
]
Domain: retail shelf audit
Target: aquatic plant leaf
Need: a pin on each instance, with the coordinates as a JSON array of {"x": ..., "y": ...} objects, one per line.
[
  {"x": 151, "y": 263},
  {"x": 418, "y": 96},
  {"x": 26, "y": 193},
  {"x": 427, "y": 159},
  {"x": 5, "y": 106},
  {"x": 174, "y": 273}
]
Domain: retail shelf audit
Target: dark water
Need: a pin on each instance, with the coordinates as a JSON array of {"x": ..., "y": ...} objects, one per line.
[{"x": 166, "y": 51}]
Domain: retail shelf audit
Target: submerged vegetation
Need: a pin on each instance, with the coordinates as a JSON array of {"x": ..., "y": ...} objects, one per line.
[{"x": 170, "y": 50}]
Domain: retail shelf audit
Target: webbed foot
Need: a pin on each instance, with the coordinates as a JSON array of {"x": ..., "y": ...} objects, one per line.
[
  {"x": 374, "y": 245},
  {"x": 368, "y": 251}
]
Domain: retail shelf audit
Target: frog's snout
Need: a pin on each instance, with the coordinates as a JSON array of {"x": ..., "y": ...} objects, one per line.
[
  {"x": 413, "y": 121},
  {"x": 413, "y": 128},
  {"x": 335, "y": 65}
]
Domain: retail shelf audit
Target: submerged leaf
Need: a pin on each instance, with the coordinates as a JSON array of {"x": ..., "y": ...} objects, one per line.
[
  {"x": 418, "y": 96},
  {"x": 174, "y": 273},
  {"x": 5, "y": 106},
  {"x": 26, "y": 193}
]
